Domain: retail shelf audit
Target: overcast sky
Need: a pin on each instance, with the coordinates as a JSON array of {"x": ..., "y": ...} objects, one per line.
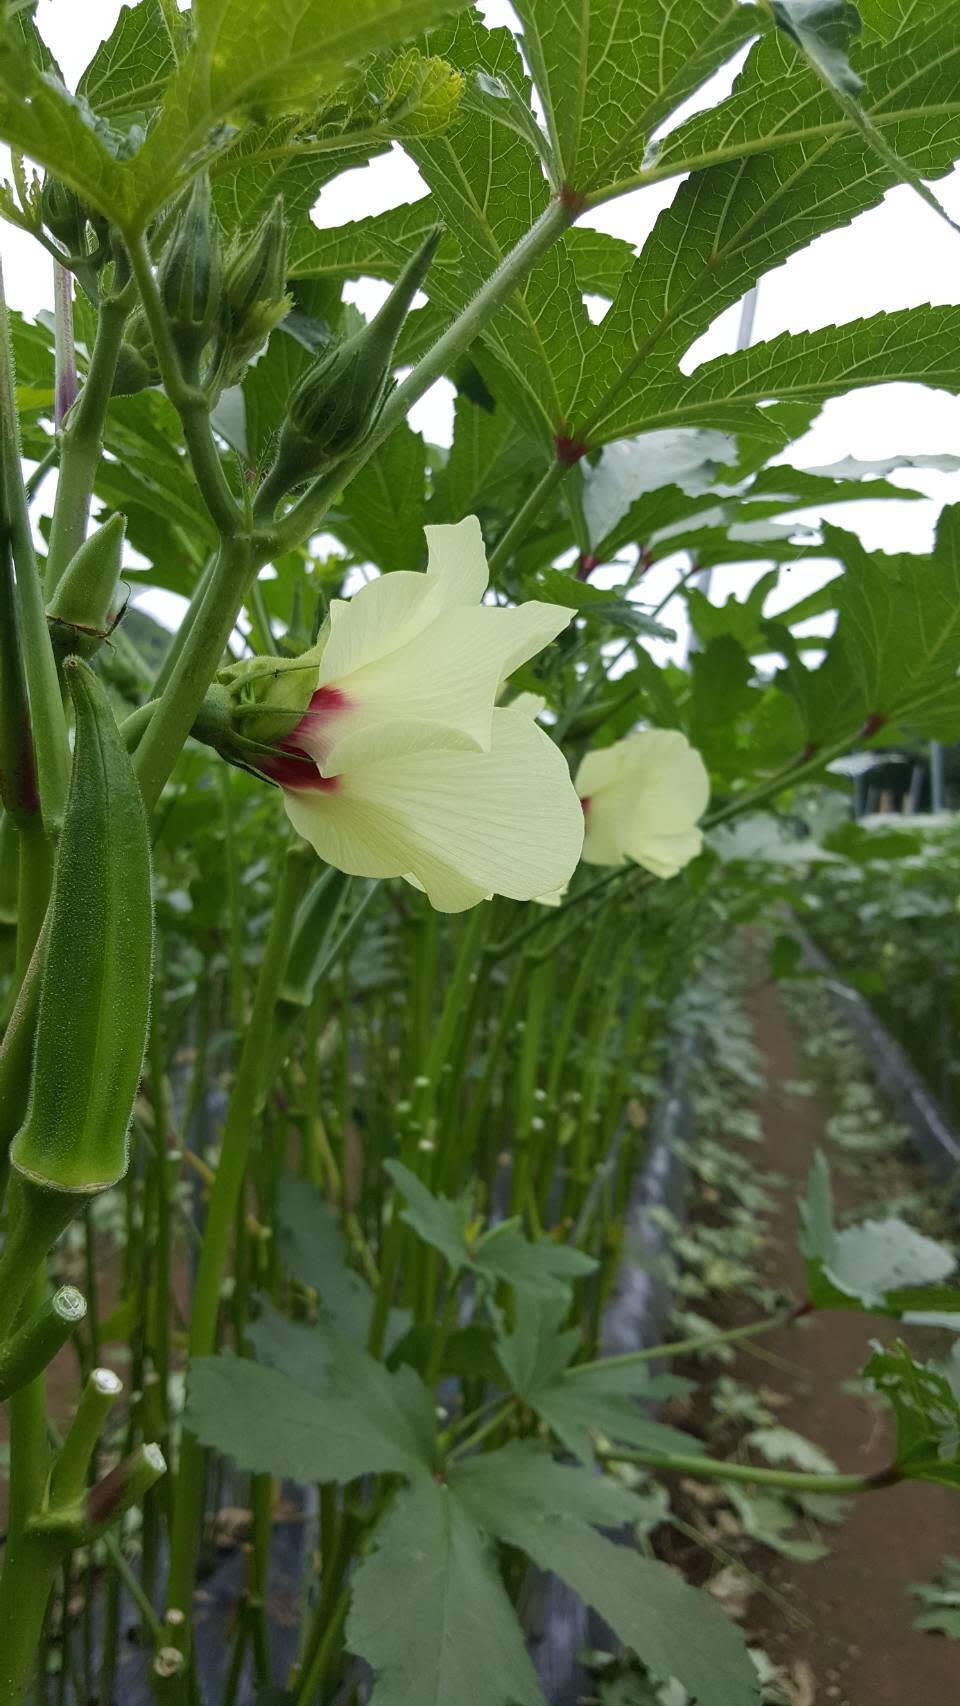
[{"x": 899, "y": 255}]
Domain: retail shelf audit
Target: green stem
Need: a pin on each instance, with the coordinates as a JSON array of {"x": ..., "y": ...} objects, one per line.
[
  {"x": 38, "y": 1222},
  {"x": 518, "y": 528},
  {"x": 48, "y": 725},
  {"x": 683, "y": 1347},
  {"x": 316, "y": 1671},
  {"x": 257, "y": 608},
  {"x": 190, "y": 401},
  {"x": 234, "y": 905},
  {"x": 81, "y": 445},
  {"x": 29, "y": 1565},
  {"x": 225, "y": 1196},
  {"x": 196, "y": 665},
  {"x": 788, "y": 1480},
  {"x": 180, "y": 636},
  {"x": 490, "y": 1426},
  {"x": 36, "y": 1343},
  {"x": 797, "y": 772}
]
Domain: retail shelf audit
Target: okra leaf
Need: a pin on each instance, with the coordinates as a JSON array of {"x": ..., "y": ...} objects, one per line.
[
  {"x": 312, "y": 1245},
  {"x": 923, "y": 1397},
  {"x": 382, "y": 513},
  {"x": 129, "y": 71},
  {"x": 884, "y": 1267},
  {"x": 436, "y": 1219},
  {"x": 322, "y": 1410},
  {"x": 578, "y": 1406},
  {"x": 524, "y": 1478},
  {"x": 825, "y": 30},
  {"x": 674, "y": 1630},
  {"x": 609, "y": 74},
  {"x": 430, "y": 1614},
  {"x": 543, "y": 1269},
  {"x": 899, "y": 625},
  {"x": 606, "y": 1402}
]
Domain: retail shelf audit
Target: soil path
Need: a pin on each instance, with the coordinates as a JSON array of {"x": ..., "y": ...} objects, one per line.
[{"x": 853, "y": 1613}]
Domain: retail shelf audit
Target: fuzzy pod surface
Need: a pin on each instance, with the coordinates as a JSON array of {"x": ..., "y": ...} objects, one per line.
[{"x": 94, "y": 1007}]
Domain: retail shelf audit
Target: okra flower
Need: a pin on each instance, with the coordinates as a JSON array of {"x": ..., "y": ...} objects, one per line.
[
  {"x": 642, "y": 799},
  {"x": 402, "y": 764}
]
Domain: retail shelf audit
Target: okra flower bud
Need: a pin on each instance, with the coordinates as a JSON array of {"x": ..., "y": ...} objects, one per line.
[
  {"x": 94, "y": 1001},
  {"x": 85, "y": 600},
  {"x": 137, "y": 364},
  {"x": 337, "y": 401},
  {"x": 191, "y": 275},
  {"x": 63, "y": 214},
  {"x": 255, "y": 297}
]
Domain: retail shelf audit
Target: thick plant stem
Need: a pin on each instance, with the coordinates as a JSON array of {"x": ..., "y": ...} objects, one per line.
[
  {"x": 81, "y": 446},
  {"x": 195, "y": 667},
  {"x": 225, "y": 1196},
  {"x": 48, "y": 726},
  {"x": 29, "y": 1565}
]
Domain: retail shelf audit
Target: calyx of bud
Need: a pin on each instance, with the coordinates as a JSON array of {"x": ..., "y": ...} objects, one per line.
[
  {"x": 255, "y": 704},
  {"x": 191, "y": 275},
  {"x": 255, "y": 297},
  {"x": 85, "y": 601},
  {"x": 63, "y": 214}
]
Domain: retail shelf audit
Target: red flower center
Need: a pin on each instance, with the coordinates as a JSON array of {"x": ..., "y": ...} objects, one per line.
[{"x": 291, "y": 764}]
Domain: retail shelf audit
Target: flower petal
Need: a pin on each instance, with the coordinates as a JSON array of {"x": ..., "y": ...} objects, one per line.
[
  {"x": 455, "y": 556},
  {"x": 392, "y": 610},
  {"x": 643, "y": 797},
  {"x": 447, "y": 675},
  {"x": 464, "y": 824}
]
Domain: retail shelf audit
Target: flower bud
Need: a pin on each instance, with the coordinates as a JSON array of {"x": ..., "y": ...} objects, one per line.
[
  {"x": 63, "y": 214},
  {"x": 254, "y": 291},
  {"x": 85, "y": 600},
  {"x": 338, "y": 399},
  {"x": 190, "y": 275},
  {"x": 94, "y": 1000},
  {"x": 137, "y": 365}
]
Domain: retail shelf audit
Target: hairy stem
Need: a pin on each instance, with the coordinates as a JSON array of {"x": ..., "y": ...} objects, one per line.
[{"x": 81, "y": 446}]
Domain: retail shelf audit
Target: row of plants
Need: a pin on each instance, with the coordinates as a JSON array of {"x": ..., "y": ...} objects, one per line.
[
  {"x": 347, "y": 1097},
  {"x": 885, "y": 912}
]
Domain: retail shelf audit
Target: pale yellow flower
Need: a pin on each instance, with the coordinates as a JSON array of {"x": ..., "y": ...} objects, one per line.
[
  {"x": 642, "y": 800},
  {"x": 416, "y": 772}
]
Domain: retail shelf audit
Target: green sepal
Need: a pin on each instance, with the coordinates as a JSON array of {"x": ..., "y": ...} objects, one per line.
[
  {"x": 63, "y": 214},
  {"x": 191, "y": 275},
  {"x": 83, "y": 608},
  {"x": 94, "y": 1003},
  {"x": 269, "y": 695},
  {"x": 255, "y": 297}
]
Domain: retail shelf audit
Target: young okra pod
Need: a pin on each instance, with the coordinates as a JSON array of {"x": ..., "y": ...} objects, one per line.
[{"x": 94, "y": 1002}]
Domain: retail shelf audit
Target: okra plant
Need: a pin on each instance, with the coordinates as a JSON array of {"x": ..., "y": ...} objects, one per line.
[{"x": 341, "y": 926}]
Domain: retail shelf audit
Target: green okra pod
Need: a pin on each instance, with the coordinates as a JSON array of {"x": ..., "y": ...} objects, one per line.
[{"x": 94, "y": 1003}]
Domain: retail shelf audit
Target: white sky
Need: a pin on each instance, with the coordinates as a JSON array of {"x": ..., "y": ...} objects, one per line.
[{"x": 900, "y": 255}]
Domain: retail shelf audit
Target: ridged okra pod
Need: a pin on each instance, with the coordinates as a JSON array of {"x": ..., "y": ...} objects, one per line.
[{"x": 94, "y": 1003}]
